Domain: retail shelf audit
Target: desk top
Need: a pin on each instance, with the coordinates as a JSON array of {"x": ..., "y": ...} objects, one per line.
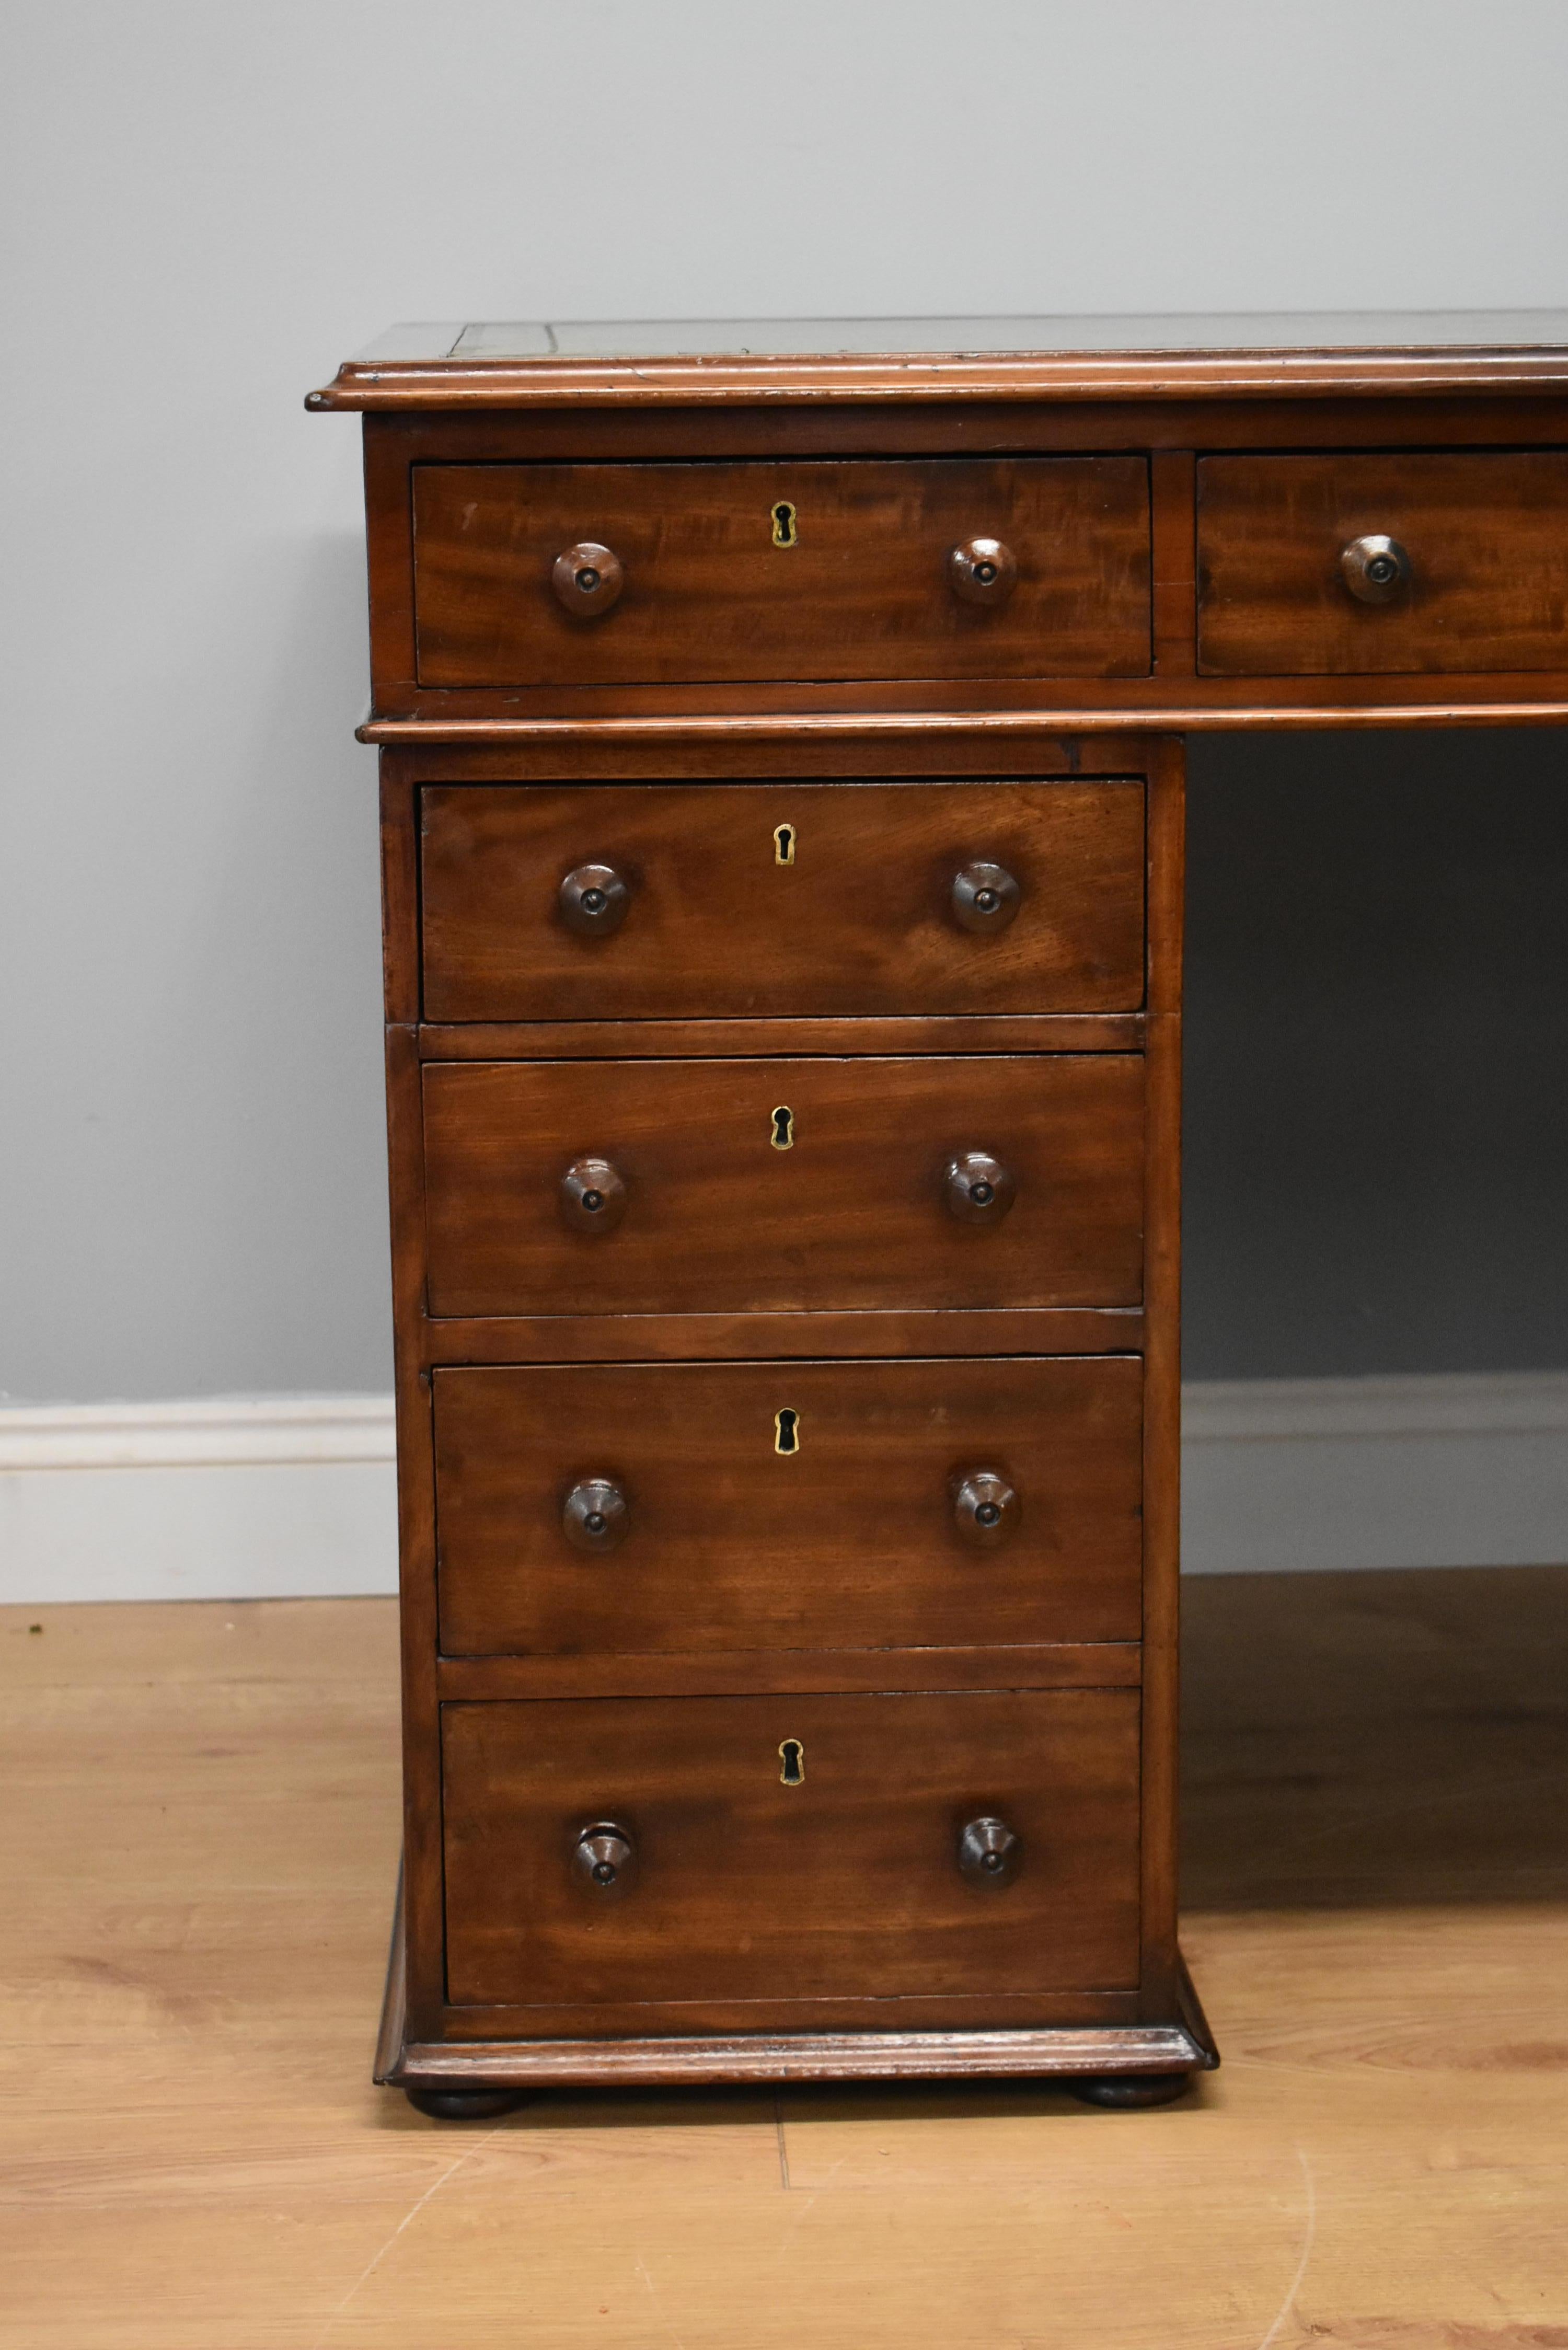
[{"x": 1182, "y": 356}]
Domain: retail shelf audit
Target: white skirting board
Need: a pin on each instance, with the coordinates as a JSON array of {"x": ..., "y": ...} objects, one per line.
[
  {"x": 293, "y": 1496},
  {"x": 240, "y": 1499},
  {"x": 1451, "y": 1470}
]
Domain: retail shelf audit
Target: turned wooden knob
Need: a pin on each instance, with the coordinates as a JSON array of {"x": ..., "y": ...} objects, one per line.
[
  {"x": 983, "y": 571},
  {"x": 984, "y": 897},
  {"x": 593, "y": 1195},
  {"x": 593, "y": 899},
  {"x": 595, "y": 1516},
  {"x": 986, "y": 1508},
  {"x": 605, "y": 1858},
  {"x": 587, "y": 578},
  {"x": 1375, "y": 569},
  {"x": 978, "y": 1189},
  {"x": 989, "y": 1853}
]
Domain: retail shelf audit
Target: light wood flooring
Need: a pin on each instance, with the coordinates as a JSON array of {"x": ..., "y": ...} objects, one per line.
[{"x": 198, "y": 1811}]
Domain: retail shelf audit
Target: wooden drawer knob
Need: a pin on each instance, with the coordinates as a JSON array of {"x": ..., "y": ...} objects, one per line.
[
  {"x": 593, "y": 899},
  {"x": 1376, "y": 569},
  {"x": 605, "y": 1858},
  {"x": 989, "y": 1853},
  {"x": 978, "y": 1189},
  {"x": 587, "y": 578},
  {"x": 595, "y": 1516},
  {"x": 983, "y": 571},
  {"x": 984, "y": 897},
  {"x": 593, "y": 1195},
  {"x": 986, "y": 1508}
]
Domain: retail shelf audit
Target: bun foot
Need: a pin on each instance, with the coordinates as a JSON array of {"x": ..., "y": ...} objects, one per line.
[
  {"x": 1128, "y": 2091},
  {"x": 465, "y": 2104}
]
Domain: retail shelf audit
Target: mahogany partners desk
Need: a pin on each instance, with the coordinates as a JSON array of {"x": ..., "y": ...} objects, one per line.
[{"x": 781, "y": 735}]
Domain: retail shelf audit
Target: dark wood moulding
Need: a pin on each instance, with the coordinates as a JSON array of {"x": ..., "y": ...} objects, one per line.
[
  {"x": 459, "y": 381},
  {"x": 1541, "y": 704}
]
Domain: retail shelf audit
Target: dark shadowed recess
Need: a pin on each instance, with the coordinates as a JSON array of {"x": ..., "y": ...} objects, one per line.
[{"x": 1376, "y": 1094}]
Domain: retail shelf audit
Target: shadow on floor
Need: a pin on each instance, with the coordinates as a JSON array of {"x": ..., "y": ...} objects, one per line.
[{"x": 1368, "y": 1740}]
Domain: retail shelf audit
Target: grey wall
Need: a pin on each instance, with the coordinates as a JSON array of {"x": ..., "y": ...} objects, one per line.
[{"x": 207, "y": 206}]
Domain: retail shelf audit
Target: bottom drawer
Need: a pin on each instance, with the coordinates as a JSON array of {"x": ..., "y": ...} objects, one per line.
[{"x": 769, "y": 1847}]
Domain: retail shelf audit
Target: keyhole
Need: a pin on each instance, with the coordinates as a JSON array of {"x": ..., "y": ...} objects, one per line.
[
  {"x": 786, "y": 1432},
  {"x": 784, "y": 524},
  {"x": 783, "y": 843},
  {"x": 791, "y": 1754},
  {"x": 783, "y": 1127}
]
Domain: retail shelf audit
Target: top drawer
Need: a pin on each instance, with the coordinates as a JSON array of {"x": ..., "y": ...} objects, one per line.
[
  {"x": 1353, "y": 565},
  {"x": 728, "y": 574}
]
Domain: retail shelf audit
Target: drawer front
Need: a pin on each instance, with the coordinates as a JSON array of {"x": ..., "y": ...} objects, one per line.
[
  {"x": 730, "y": 573},
  {"x": 724, "y": 899},
  {"x": 918, "y": 1504},
  {"x": 783, "y": 1186},
  {"x": 729, "y": 1883},
  {"x": 1476, "y": 578}
]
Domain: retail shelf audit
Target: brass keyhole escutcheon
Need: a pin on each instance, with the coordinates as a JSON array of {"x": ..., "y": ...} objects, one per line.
[
  {"x": 791, "y": 1754},
  {"x": 786, "y": 1431},
  {"x": 783, "y": 1135},
  {"x": 785, "y": 532},
  {"x": 785, "y": 837}
]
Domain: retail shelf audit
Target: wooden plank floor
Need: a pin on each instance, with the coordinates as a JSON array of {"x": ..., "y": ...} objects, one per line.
[{"x": 199, "y": 1822}]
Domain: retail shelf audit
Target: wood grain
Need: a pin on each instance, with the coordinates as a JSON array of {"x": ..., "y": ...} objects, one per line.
[
  {"x": 682, "y": 1040},
  {"x": 1487, "y": 536},
  {"x": 860, "y": 921},
  {"x": 771, "y": 431},
  {"x": 850, "y": 1543},
  {"x": 200, "y": 1837},
  {"x": 844, "y": 1887},
  {"x": 1208, "y": 705},
  {"x": 923, "y": 377},
  {"x": 416, "y": 1522},
  {"x": 874, "y": 1335},
  {"x": 1172, "y": 507},
  {"x": 951, "y": 755},
  {"x": 853, "y": 1215},
  {"x": 732, "y": 1672},
  {"x": 709, "y": 596},
  {"x": 1159, "y": 1852},
  {"x": 767, "y": 432}
]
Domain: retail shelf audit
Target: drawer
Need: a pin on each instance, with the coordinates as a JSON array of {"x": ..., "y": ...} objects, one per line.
[
  {"x": 1476, "y": 578},
  {"x": 729, "y": 1884},
  {"x": 707, "y": 574},
  {"x": 783, "y": 1186},
  {"x": 721, "y": 899},
  {"x": 870, "y": 1531}
]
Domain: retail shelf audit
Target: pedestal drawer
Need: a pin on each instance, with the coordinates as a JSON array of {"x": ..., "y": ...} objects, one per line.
[
  {"x": 712, "y": 900},
  {"x": 703, "y": 1507},
  {"x": 732, "y": 1849},
  {"x": 686, "y": 573},
  {"x": 782, "y": 1186}
]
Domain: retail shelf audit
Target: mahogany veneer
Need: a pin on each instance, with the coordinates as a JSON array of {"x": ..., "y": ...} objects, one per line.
[
  {"x": 844, "y": 1887},
  {"x": 782, "y": 863},
  {"x": 843, "y": 893},
  {"x": 855, "y": 1212},
  {"x": 708, "y": 593},
  {"x": 858, "y": 1538}
]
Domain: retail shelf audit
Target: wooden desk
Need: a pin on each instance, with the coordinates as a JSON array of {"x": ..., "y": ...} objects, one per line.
[{"x": 782, "y": 788}]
